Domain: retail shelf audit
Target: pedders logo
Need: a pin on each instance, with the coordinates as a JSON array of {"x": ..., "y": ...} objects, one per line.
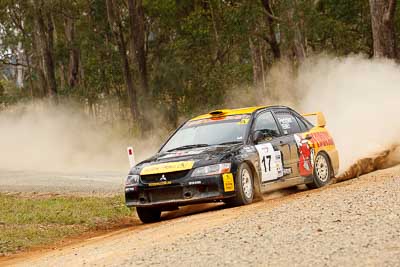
[{"x": 322, "y": 139}]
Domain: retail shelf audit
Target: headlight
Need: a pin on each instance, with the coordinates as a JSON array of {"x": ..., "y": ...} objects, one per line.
[
  {"x": 132, "y": 180},
  {"x": 212, "y": 169}
]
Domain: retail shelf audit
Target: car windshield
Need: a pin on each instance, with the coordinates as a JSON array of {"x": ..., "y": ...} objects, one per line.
[{"x": 208, "y": 132}]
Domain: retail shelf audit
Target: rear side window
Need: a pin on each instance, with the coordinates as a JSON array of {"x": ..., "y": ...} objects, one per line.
[
  {"x": 302, "y": 124},
  {"x": 288, "y": 122}
]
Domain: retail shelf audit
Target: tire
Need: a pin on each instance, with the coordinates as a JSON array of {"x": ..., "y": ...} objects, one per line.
[
  {"x": 322, "y": 171},
  {"x": 244, "y": 186},
  {"x": 148, "y": 215}
]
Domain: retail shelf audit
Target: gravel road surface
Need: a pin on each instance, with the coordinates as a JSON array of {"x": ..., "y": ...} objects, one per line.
[{"x": 354, "y": 223}]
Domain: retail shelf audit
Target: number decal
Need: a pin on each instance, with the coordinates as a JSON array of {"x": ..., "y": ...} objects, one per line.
[
  {"x": 270, "y": 161},
  {"x": 264, "y": 163}
]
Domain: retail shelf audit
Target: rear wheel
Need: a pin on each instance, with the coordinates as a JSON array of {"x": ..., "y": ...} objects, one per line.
[
  {"x": 148, "y": 215},
  {"x": 322, "y": 171},
  {"x": 244, "y": 186}
]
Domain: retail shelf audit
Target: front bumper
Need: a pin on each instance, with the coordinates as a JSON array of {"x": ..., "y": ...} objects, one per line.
[{"x": 191, "y": 191}]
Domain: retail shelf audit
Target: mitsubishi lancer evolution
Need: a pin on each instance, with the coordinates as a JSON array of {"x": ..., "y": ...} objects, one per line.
[{"x": 234, "y": 156}]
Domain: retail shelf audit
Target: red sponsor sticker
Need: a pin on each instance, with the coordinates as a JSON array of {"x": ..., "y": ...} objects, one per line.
[{"x": 322, "y": 139}]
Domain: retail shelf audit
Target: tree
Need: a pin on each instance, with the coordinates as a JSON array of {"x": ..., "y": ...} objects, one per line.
[
  {"x": 137, "y": 30},
  {"x": 271, "y": 23},
  {"x": 73, "y": 66},
  {"x": 114, "y": 19},
  {"x": 383, "y": 27},
  {"x": 296, "y": 22},
  {"x": 44, "y": 30},
  {"x": 180, "y": 56}
]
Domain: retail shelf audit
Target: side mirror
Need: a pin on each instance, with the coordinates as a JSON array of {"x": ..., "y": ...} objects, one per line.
[{"x": 258, "y": 136}]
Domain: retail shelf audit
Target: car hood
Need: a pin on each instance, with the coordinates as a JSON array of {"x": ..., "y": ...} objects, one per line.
[{"x": 199, "y": 156}]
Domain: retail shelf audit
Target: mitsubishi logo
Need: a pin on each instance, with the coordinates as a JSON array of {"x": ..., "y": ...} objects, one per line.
[{"x": 163, "y": 178}]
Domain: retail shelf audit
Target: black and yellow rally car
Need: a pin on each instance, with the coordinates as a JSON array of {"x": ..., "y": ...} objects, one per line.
[{"x": 233, "y": 155}]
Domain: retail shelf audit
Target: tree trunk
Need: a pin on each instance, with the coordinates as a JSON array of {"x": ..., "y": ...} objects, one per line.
[
  {"x": 137, "y": 30},
  {"x": 45, "y": 33},
  {"x": 271, "y": 37},
  {"x": 257, "y": 61},
  {"x": 73, "y": 66},
  {"x": 38, "y": 66},
  {"x": 2, "y": 90},
  {"x": 296, "y": 24},
  {"x": 138, "y": 47},
  {"x": 298, "y": 45},
  {"x": 383, "y": 28},
  {"x": 116, "y": 28}
]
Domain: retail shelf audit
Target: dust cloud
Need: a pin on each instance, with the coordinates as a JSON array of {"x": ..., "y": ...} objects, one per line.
[
  {"x": 40, "y": 137},
  {"x": 385, "y": 159},
  {"x": 360, "y": 98}
]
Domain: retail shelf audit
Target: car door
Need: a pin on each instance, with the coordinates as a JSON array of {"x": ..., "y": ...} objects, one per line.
[
  {"x": 291, "y": 129},
  {"x": 273, "y": 150}
]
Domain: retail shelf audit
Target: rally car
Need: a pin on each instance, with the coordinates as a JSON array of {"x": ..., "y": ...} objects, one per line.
[{"x": 233, "y": 155}]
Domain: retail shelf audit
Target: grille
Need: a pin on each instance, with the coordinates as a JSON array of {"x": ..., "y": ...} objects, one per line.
[
  {"x": 170, "y": 176},
  {"x": 164, "y": 194}
]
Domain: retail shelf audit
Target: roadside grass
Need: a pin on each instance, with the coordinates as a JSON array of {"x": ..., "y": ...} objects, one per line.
[{"x": 31, "y": 222}]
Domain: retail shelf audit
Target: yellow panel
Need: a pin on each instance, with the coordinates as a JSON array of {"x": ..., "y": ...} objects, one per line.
[
  {"x": 321, "y": 121},
  {"x": 229, "y": 185},
  {"x": 229, "y": 112},
  {"x": 167, "y": 167},
  {"x": 160, "y": 183},
  {"x": 327, "y": 145}
]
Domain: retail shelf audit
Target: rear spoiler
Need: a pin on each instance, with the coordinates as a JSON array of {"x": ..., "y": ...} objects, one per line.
[{"x": 321, "y": 122}]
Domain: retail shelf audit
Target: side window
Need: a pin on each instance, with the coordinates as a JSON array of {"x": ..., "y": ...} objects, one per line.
[
  {"x": 303, "y": 126},
  {"x": 288, "y": 122},
  {"x": 265, "y": 123}
]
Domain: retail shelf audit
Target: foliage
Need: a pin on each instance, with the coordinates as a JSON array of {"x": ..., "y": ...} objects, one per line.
[{"x": 196, "y": 51}]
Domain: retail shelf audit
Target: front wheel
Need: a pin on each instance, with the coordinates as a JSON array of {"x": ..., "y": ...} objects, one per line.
[
  {"x": 148, "y": 215},
  {"x": 244, "y": 186},
  {"x": 322, "y": 171}
]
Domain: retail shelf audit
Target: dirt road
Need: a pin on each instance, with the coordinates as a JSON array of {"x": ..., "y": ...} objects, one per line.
[{"x": 352, "y": 223}]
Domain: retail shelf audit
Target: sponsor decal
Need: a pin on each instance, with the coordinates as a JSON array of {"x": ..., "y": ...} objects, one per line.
[
  {"x": 248, "y": 149},
  {"x": 194, "y": 182},
  {"x": 287, "y": 171},
  {"x": 241, "y": 118},
  {"x": 229, "y": 185},
  {"x": 285, "y": 122},
  {"x": 322, "y": 139},
  {"x": 182, "y": 153},
  {"x": 306, "y": 156},
  {"x": 167, "y": 167},
  {"x": 306, "y": 150},
  {"x": 244, "y": 121},
  {"x": 160, "y": 183},
  {"x": 270, "y": 162}
]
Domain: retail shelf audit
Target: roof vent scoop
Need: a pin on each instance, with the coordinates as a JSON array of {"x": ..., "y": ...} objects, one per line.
[{"x": 218, "y": 112}]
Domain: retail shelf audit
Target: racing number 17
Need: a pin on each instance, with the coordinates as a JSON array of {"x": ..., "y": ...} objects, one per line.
[{"x": 264, "y": 161}]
